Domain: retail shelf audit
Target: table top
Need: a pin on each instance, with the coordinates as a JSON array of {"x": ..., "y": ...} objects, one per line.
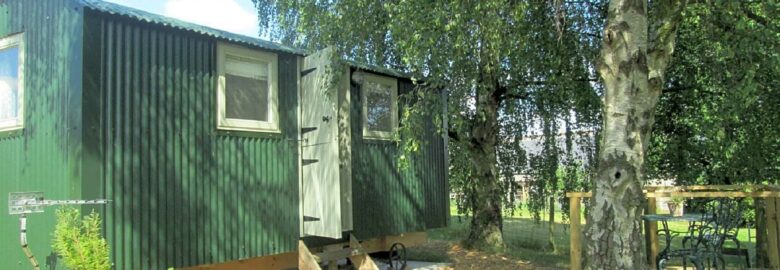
[{"x": 667, "y": 217}]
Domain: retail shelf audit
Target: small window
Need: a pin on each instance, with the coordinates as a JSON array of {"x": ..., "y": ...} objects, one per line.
[
  {"x": 11, "y": 83},
  {"x": 247, "y": 90},
  {"x": 380, "y": 107}
]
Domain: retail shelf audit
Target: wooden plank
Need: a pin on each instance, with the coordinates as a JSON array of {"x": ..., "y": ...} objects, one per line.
[
  {"x": 291, "y": 260},
  {"x": 715, "y": 190},
  {"x": 576, "y": 231},
  {"x": 695, "y": 194},
  {"x": 306, "y": 261},
  {"x": 709, "y": 188},
  {"x": 578, "y": 194},
  {"x": 772, "y": 233},
  {"x": 384, "y": 243},
  {"x": 361, "y": 261},
  {"x": 714, "y": 194},
  {"x": 770, "y": 187},
  {"x": 334, "y": 255},
  {"x": 651, "y": 234},
  {"x": 274, "y": 262}
]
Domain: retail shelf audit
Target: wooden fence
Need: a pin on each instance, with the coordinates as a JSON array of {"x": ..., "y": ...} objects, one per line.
[{"x": 770, "y": 194}]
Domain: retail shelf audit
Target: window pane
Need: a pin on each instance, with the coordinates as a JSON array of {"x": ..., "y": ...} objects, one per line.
[
  {"x": 9, "y": 69},
  {"x": 246, "y": 67},
  {"x": 379, "y": 107},
  {"x": 246, "y": 98}
]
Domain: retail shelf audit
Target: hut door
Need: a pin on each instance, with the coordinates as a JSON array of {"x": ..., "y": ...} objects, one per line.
[{"x": 321, "y": 186}]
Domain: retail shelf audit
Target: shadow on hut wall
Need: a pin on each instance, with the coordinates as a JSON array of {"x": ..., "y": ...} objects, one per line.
[
  {"x": 388, "y": 201},
  {"x": 45, "y": 154},
  {"x": 185, "y": 194}
]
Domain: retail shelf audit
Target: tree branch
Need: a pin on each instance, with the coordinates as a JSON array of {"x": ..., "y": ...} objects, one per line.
[
  {"x": 453, "y": 135},
  {"x": 679, "y": 88},
  {"x": 527, "y": 83},
  {"x": 682, "y": 88},
  {"x": 760, "y": 20},
  {"x": 763, "y": 21},
  {"x": 516, "y": 96},
  {"x": 507, "y": 95},
  {"x": 662, "y": 39}
]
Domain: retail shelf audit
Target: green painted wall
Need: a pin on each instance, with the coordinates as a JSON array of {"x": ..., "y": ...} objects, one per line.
[
  {"x": 46, "y": 154},
  {"x": 388, "y": 201},
  {"x": 183, "y": 193}
]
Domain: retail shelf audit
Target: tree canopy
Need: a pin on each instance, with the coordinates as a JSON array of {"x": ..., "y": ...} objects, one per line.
[
  {"x": 508, "y": 67},
  {"x": 512, "y": 69},
  {"x": 719, "y": 106}
]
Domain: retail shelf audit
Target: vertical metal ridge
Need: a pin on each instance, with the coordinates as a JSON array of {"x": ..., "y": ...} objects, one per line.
[
  {"x": 147, "y": 157},
  {"x": 155, "y": 235}
]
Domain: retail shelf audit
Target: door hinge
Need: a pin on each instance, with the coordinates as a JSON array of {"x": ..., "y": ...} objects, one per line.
[
  {"x": 307, "y": 71},
  {"x": 308, "y": 218}
]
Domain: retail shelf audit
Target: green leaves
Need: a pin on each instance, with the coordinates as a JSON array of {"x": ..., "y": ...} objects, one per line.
[
  {"x": 79, "y": 242},
  {"x": 718, "y": 115},
  {"x": 532, "y": 57}
]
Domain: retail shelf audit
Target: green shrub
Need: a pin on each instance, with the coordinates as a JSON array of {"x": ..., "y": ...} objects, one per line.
[{"x": 79, "y": 242}]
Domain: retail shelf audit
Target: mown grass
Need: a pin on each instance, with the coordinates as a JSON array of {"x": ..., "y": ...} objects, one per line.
[{"x": 527, "y": 240}]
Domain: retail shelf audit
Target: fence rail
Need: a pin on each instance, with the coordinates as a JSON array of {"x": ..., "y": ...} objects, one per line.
[{"x": 770, "y": 193}]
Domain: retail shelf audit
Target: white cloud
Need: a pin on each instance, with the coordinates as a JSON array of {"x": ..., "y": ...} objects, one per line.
[
  {"x": 8, "y": 99},
  {"x": 224, "y": 15}
]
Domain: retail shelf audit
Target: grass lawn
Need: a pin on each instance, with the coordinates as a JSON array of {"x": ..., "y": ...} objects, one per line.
[{"x": 526, "y": 245}]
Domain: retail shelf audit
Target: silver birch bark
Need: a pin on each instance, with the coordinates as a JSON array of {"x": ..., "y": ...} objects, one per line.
[{"x": 633, "y": 79}]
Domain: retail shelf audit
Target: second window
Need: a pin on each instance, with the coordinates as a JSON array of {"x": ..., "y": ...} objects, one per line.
[{"x": 380, "y": 107}]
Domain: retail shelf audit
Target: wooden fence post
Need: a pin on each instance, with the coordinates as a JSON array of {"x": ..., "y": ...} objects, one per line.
[
  {"x": 772, "y": 233},
  {"x": 651, "y": 234},
  {"x": 576, "y": 232}
]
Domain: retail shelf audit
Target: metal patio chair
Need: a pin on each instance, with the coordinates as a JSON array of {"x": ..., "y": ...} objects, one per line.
[
  {"x": 705, "y": 238},
  {"x": 722, "y": 225}
]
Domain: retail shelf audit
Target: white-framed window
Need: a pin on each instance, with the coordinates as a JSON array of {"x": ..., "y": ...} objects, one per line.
[
  {"x": 380, "y": 107},
  {"x": 12, "y": 82},
  {"x": 247, "y": 89}
]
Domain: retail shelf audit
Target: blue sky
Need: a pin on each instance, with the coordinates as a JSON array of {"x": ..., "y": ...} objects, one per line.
[{"x": 237, "y": 16}]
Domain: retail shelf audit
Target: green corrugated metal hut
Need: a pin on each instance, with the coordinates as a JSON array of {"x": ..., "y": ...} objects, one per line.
[{"x": 162, "y": 117}]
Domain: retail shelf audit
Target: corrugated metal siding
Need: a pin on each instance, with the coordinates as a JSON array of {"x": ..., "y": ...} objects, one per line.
[
  {"x": 388, "y": 201},
  {"x": 433, "y": 173},
  {"x": 183, "y": 193},
  {"x": 46, "y": 155}
]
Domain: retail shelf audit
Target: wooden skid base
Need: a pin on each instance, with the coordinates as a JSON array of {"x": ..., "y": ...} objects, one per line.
[{"x": 309, "y": 259}]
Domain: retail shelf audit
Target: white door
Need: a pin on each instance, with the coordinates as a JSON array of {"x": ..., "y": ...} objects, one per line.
[{"x": 321, "y": 187}]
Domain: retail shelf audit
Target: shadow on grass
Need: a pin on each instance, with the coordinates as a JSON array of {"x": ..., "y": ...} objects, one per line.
[{"x": 526, "y": 244}]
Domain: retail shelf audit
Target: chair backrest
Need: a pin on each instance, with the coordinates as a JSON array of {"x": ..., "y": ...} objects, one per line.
[{"x": 725, "y": 216}]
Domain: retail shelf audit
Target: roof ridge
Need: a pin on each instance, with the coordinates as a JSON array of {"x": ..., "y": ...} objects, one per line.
[
  {"x": 153, "y": 18},
  {"x": 145, "y": 16}
]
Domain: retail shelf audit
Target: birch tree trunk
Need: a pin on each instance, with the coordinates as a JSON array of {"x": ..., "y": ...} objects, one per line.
[
  {"x": 633, "y": 79},
  {"x": 551, "y": 225},
  {"x": 487, "y": 223},
  {"x": 762, "y": 260}
]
